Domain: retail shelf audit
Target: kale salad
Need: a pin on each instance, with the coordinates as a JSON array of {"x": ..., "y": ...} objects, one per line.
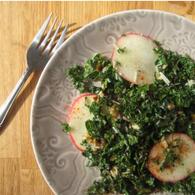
[{"x": 135, "y": 118}]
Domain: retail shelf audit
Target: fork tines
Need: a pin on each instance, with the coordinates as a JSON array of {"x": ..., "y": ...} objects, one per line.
[{"x": 47, "y": 43}]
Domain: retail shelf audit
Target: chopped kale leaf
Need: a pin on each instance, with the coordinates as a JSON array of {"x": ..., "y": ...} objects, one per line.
[{"x": 129, "y": 119}]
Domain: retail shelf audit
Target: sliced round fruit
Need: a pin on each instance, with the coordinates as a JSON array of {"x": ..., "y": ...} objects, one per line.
[
  {"x": 173, "y": 158},
  {"x": 134, "y": 58},
  {"x": 78, "y": 114}
]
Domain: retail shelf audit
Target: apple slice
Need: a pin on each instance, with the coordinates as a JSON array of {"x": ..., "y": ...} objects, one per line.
[
  {"x": 134, "y": 58},
  {"x": 173, "y": 158},
  {"x": 78, "y": 114}
]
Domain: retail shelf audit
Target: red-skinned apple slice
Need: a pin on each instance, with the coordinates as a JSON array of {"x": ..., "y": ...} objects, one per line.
[
  {"x": 78, "y": 114},
  {"x": 182, "y": 165},
  {"x": 134, "y": 58}
]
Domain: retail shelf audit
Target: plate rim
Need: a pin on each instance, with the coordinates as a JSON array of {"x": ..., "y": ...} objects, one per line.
[{"x": 38, "y": 162}]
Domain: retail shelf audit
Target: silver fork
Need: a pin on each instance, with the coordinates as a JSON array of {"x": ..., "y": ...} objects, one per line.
[{"x": 38, "y": 54}]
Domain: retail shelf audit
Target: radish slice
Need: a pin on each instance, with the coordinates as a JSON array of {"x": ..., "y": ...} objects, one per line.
[
  {"x": 78, "y": 114},
  {"x": 134, "y": 58},
  {"x": 173, "y": 158}
]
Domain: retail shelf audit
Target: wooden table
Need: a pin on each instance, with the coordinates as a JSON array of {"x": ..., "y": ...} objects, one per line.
[{"x": 19, "y": 21}]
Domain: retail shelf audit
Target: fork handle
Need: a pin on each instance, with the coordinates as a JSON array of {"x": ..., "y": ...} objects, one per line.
[{"x": 5, "y": 107}]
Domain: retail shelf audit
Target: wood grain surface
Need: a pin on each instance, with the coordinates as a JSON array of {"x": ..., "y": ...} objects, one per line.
[{"x": 19, "y": 21}]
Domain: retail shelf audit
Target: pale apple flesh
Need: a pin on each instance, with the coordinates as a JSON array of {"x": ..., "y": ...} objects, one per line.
[
  {"x": 178, "y": 169},
  {"x": 78, "y": 114},
  {"x": 134, "y": 58}
]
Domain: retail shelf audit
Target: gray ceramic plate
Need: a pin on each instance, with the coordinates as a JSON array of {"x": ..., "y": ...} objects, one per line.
[{"x": 62, "y": 166}]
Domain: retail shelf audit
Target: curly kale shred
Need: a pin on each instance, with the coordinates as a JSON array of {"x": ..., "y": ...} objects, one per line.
[
  {"x": 66, "y": 127},
  {"x": 143, "y": 114}
]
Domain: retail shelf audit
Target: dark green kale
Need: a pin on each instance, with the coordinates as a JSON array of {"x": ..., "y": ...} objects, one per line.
[
  {"x": 66, "y": 127},
  {"x": 171, "y": 156},
  {"x": 84, "y": 78},
  {"x": 129, "y": 119},
  {"x": 121, "y": 50}
]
